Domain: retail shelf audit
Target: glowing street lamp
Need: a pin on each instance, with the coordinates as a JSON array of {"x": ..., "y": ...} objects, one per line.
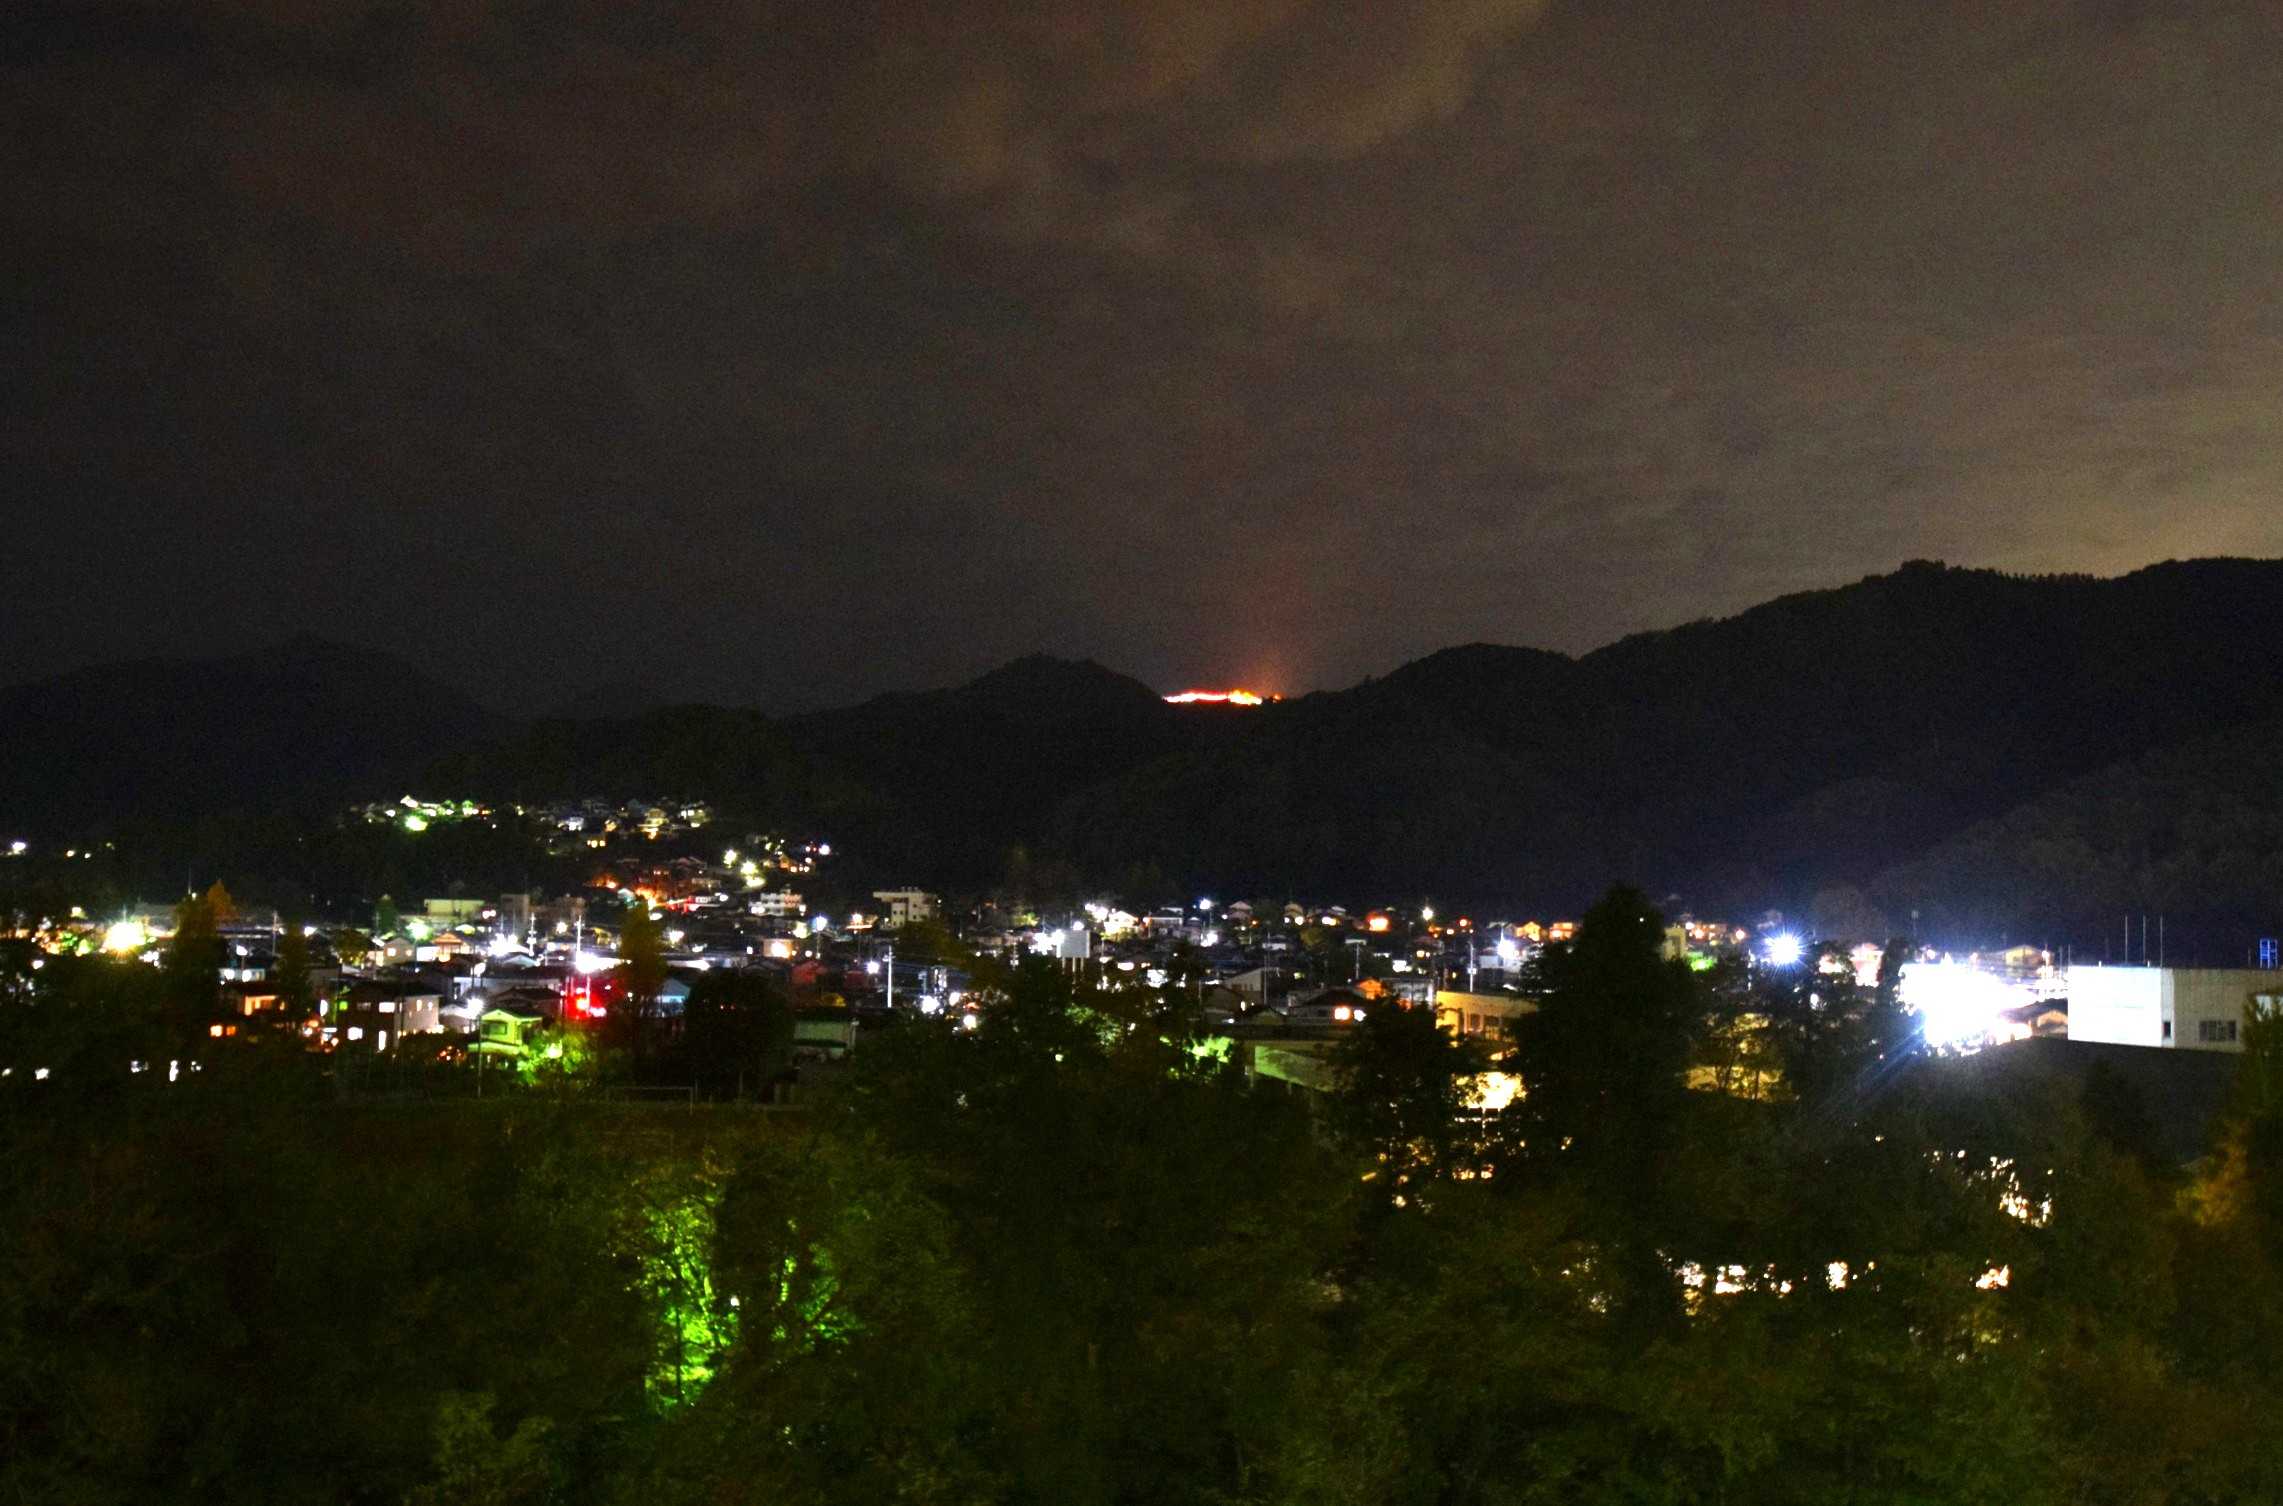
[{"x": 1785, "y": 950}]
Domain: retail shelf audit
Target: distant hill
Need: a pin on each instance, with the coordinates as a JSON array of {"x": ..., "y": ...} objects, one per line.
[
  {"x": 936, "y": 786},
  {"x": 1809, "y": 743},
  {"x": 2190, "y": 837},
  {"x": 961, "y": 777},
  {"x": 1996, "y": 752},
  {"x": 299, "y": 727}
]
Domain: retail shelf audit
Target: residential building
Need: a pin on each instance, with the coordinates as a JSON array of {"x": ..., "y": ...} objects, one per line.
[{"x": 368, "y": 1016}]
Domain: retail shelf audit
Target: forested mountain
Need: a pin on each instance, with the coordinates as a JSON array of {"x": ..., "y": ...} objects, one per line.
[
  {"x": 1828, "y": 740},
  {"x": 1818, "y": 740},
  {"x": 2189, "y": 839}
]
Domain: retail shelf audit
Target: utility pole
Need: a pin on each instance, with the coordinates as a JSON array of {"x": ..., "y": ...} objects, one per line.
[{"x": 889, "y": 969}]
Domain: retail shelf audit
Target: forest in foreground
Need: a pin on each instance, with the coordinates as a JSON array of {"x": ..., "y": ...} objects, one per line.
[{"x": 1072, "y": 1256}]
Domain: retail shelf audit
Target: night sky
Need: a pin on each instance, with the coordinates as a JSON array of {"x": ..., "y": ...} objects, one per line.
[{"x": 782, "y": 353}]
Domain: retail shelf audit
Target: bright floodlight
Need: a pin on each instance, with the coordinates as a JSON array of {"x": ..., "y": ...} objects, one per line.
[
  {"x": 126, "y": 936},
  {"x": 1785, "y": 950},
  {"x": 1508, "y": 952},
  {"x": 1958, "y": 1006}
]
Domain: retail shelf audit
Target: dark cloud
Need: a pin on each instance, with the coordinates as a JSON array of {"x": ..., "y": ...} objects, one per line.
[
  {"x": 806, "y": 350},
  {"x": 471, "y": 132}
]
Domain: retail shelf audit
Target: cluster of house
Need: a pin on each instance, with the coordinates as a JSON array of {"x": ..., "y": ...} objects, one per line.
[{"x": 593, "y": 819}]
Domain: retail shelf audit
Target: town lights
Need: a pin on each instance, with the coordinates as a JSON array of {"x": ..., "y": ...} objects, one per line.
[{"x": 1784, "y": 951}]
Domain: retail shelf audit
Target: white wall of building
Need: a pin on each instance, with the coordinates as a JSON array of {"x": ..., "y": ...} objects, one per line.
[
  {"x": 2121, "y": 1006},
  {"x": 2193, "y": 1009},
  {"x": 900, "y": 905}
]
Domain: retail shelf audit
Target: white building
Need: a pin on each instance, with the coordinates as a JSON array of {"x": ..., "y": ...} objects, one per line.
[
  {"x": 2200, "y": 1009},
  {"x": 900, "y": 905}
]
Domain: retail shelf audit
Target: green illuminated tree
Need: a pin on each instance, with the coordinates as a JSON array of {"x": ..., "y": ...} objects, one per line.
[{"x": 816, "y": 1343}]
